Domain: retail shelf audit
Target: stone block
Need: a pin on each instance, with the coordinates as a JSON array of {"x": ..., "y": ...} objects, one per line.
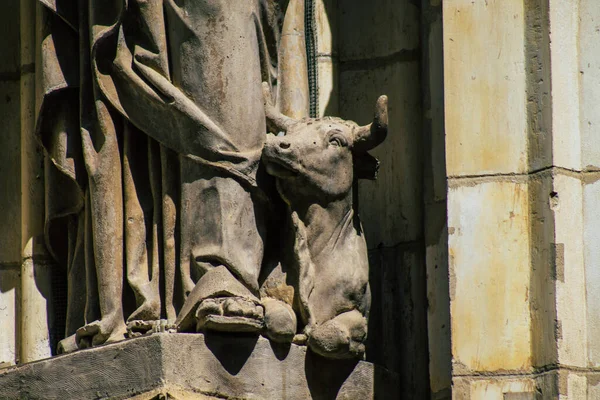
[
  {"x": 32, "y": 175},
  {"x": 28, "y": 31},
  {"x": 564, "y": 33},
  {"x": 539, "y": 85},
  {"x": 328, "y": 86},
  {"x": 489, "y": 262},
  {"x": 593, "y": 385},
  {"x": 438, "y": 300},
  {"x": 565, "y": 201},
  {"x": 10, "y": 173},
  {"x": 589, "y": 75},
  {"x": 391, "y": 206},
  {"x": 398, "y": 319},
  {"x": 434, "y": 133},
  {"x": 199, "y": 367},
  {"x": 591, "y": 238},
  {"x": 542, "y": 290},
  {"x": 500, "y": 388},
  {"x": 37, "y": 312},
  {"x": 576, "y": 387},
  {"x": 9, "y": 289},
  {"x": 381, "y": 29},
  {"x": 326, "y": 15},
  {"x": 485, "y": 87}
]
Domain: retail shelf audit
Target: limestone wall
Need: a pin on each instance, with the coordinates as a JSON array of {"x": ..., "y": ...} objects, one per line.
[
  {"x": 10, "y": 180},
  {"x": 26, "y": 270},
  {"x": 520, "y": 87}
]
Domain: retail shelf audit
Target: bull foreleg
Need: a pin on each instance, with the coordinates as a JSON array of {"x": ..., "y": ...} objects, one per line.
[{"x": 340, "y": 337}]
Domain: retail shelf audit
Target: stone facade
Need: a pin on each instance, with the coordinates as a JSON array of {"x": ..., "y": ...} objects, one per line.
[
  {"x": 481, "y": 229},
  {"x": 351, "y": 75}
]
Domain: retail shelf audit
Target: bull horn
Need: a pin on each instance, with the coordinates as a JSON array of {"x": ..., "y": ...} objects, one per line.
[
  {"x": 369, "y": 136},
  {"x": 275, "y": 119}
]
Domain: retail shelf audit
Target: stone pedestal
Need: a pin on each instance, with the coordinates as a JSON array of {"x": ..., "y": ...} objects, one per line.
[{"x": 195, "y": 366}]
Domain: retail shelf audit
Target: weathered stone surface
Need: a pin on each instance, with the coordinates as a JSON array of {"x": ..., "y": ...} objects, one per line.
[
  {"x": 438, "y": 299},
  {"x": 589, "y": 81},
  {"x": 391, "y": 206},
  {"x": 565, "y": 201},
  {"x": 561, "y": 384},
  {"x": 591, "y": 238},
  {"x": 211, "y": 366},
  {"x": 398, "y": 320},
  {"x": 9, "y": 41},
  {"x": 485, "y": 83},
  {"x": 9, "y": 298},
  {"x": 565, "y": 80},
  {"x": 328, "y": 86},
  {"x": 492, "y": 388},
  {"x": 10, "y": 173},
  {"x": 489, "y": 274},
  {"x": 362, "y": 27}
]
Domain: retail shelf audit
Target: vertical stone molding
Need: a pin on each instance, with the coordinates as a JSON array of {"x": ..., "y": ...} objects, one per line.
[
  {"x": 10, "y": 184},
  {"x": 520, "y": 156},
  {"x": 36, "y": 311}
]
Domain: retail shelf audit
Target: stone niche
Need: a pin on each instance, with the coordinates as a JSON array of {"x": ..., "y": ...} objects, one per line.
[{"x": 133, "y": 258}]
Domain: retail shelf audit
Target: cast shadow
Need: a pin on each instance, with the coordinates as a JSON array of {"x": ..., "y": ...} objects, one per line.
[
  {"x": 231, "y": 349},
  {"x": 280, "y": 350},
  {"x": 325, "y": 377}
]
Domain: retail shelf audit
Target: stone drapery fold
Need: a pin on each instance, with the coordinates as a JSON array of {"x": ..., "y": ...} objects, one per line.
[{"x": 150, "y": 114}]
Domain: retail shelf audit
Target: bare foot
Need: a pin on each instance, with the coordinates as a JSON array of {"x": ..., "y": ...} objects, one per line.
[
  {"x": 148, "y": 311},
  {"x": 106, "y": 330},
  {"x": 139, "y": 328},
  {"x": 67, "y": 345},
  {"x": 230, "y": 314}
]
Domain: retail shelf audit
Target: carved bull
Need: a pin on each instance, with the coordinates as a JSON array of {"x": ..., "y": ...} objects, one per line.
[{"x": 315, "y": 163}]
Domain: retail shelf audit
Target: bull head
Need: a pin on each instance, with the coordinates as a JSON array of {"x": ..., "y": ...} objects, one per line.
[{"x": 321, "y": 156}]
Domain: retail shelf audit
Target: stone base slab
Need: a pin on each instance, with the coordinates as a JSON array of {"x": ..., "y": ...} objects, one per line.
[{"x": 196, "y": 366}]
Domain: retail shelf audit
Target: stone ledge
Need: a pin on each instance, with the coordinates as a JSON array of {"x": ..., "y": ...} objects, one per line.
[{"x": 195, "y": 366}]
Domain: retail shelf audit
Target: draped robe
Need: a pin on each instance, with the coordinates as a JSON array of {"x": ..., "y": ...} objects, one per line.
[{"x": 151, "y": 117}]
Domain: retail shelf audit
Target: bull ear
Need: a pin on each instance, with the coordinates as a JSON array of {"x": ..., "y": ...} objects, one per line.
[
  {"x": 369, "y": 136},
  {"x": 276, "y": 121}
]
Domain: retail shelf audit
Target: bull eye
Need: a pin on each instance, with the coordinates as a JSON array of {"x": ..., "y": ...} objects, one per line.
[{"x": 338, "y": 140}]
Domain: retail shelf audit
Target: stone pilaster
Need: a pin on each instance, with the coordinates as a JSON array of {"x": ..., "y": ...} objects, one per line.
[{"x": 521, "y": 159}]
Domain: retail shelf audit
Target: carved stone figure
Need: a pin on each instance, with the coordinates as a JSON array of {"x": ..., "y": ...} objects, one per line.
[
  {"x": 153, "y": 125},
  {"x": 154, "y": 117},
  {"x": 315, "y": 162}
]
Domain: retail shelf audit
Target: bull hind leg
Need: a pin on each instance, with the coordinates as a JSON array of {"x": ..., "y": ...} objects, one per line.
[{"x": 341, "y": 337}]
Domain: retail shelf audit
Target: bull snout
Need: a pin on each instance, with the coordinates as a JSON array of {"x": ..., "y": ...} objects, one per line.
[
  {"x": 278, "y": 144},
  {"x": 279, "y": 157}
]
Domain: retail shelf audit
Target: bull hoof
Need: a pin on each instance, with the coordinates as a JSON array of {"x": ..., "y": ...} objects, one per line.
[
  {"x": 280, "y": 321},
  {"x": 230, "y": 314},
  {"x": 340, "y": 338}
]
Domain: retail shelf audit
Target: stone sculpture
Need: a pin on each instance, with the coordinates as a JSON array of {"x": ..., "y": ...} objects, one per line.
[
  {"x": 153, "y": 125},
  {"x": 153, "y": 118},
  {"x": 315, "y": 162}
]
